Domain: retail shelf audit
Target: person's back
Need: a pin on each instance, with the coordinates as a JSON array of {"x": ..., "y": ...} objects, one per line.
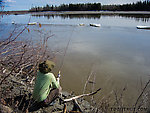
[{"x": 44, "y": 83}]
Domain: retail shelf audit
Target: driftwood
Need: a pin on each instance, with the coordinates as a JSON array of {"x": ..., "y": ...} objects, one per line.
[
  {"x": 76, "y": 105},
  {"x": 79, "y": 96}
]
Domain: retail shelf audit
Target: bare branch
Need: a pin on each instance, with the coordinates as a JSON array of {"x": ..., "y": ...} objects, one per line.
[{"x": 141, "y": 94}]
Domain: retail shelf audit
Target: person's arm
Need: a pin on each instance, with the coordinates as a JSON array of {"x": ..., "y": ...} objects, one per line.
[
  {"x": 55, "y": 83},
  {"x": 58, "y": 79}
]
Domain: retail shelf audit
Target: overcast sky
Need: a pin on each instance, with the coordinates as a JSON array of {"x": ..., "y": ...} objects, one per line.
[{"x": 27, "y": 4}]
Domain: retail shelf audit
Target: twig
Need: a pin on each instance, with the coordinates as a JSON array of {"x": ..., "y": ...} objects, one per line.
[
  {"x": 85, "y": 85},
  {"x": 65, "y": 108},
  {"x": 13, "y": 68},
  {"x": 141, "y": 94},
  {"x": 77, "y": 106},
  {"x": 93, "y": 86},
  {"x": 32, "y": 80}
]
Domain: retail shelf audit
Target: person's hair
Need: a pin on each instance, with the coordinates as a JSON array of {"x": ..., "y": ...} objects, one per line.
[{"x": 46, "y": 66}]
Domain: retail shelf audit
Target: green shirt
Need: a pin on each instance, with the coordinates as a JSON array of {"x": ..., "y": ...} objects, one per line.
[{"x": 43, "y": 84}]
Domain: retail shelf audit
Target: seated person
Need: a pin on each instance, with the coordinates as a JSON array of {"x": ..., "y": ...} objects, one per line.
[{"x": 47, "y": 87}]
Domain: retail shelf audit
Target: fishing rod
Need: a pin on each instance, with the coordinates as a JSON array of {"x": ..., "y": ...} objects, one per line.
[{"x": 62, "y": 62}]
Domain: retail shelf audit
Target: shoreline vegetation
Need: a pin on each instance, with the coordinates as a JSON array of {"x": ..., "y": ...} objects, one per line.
[
  {"x": 138, "y": 8},
  {"x": 75, "y": 12}
]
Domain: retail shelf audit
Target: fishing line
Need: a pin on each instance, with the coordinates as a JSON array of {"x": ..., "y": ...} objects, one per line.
[{"x": 62, "y": 63}]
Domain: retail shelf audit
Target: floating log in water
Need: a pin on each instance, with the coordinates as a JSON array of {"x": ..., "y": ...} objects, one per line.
[
  {"x": 143, "y": 27},
  {"x": 95, "y": 25},
  {"x": 32, "y": 23}
]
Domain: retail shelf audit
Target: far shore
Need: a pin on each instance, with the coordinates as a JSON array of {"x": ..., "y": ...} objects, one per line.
[{"x": 75, "y": 12}]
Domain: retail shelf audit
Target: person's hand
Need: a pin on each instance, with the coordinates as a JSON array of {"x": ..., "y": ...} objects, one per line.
[{"x": 59, "y": 75}]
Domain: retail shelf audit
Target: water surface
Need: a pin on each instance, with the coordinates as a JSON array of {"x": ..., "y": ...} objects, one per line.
[{"x": 117, "y": 53}]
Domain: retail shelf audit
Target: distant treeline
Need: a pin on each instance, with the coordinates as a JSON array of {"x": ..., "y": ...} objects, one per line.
[
  {"x": 70, "y": 7},
  {"x": 138, "y": 6}
]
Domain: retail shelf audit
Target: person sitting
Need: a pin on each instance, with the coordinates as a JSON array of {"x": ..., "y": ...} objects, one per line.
[{"x": 47, "y": 87}]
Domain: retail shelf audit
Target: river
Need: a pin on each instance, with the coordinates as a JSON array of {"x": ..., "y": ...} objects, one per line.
[{"x": 116, "y": 53}]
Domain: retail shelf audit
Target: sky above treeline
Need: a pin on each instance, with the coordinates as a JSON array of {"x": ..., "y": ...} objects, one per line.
[{"x": 27, "y": 4}]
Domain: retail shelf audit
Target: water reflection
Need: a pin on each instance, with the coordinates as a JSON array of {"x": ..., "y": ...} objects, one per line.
[
  {"x": 70, "y": 16},
  {"x": 137, "y": 17}
]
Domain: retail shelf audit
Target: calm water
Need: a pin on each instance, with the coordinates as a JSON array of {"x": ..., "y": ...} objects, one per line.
[{"x": 117, "y": 52}]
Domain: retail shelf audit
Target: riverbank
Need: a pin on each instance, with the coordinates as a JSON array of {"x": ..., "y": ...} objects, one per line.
[
  {"x": 76, "y": 12},
  {"x": 21, "y": 101}
]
